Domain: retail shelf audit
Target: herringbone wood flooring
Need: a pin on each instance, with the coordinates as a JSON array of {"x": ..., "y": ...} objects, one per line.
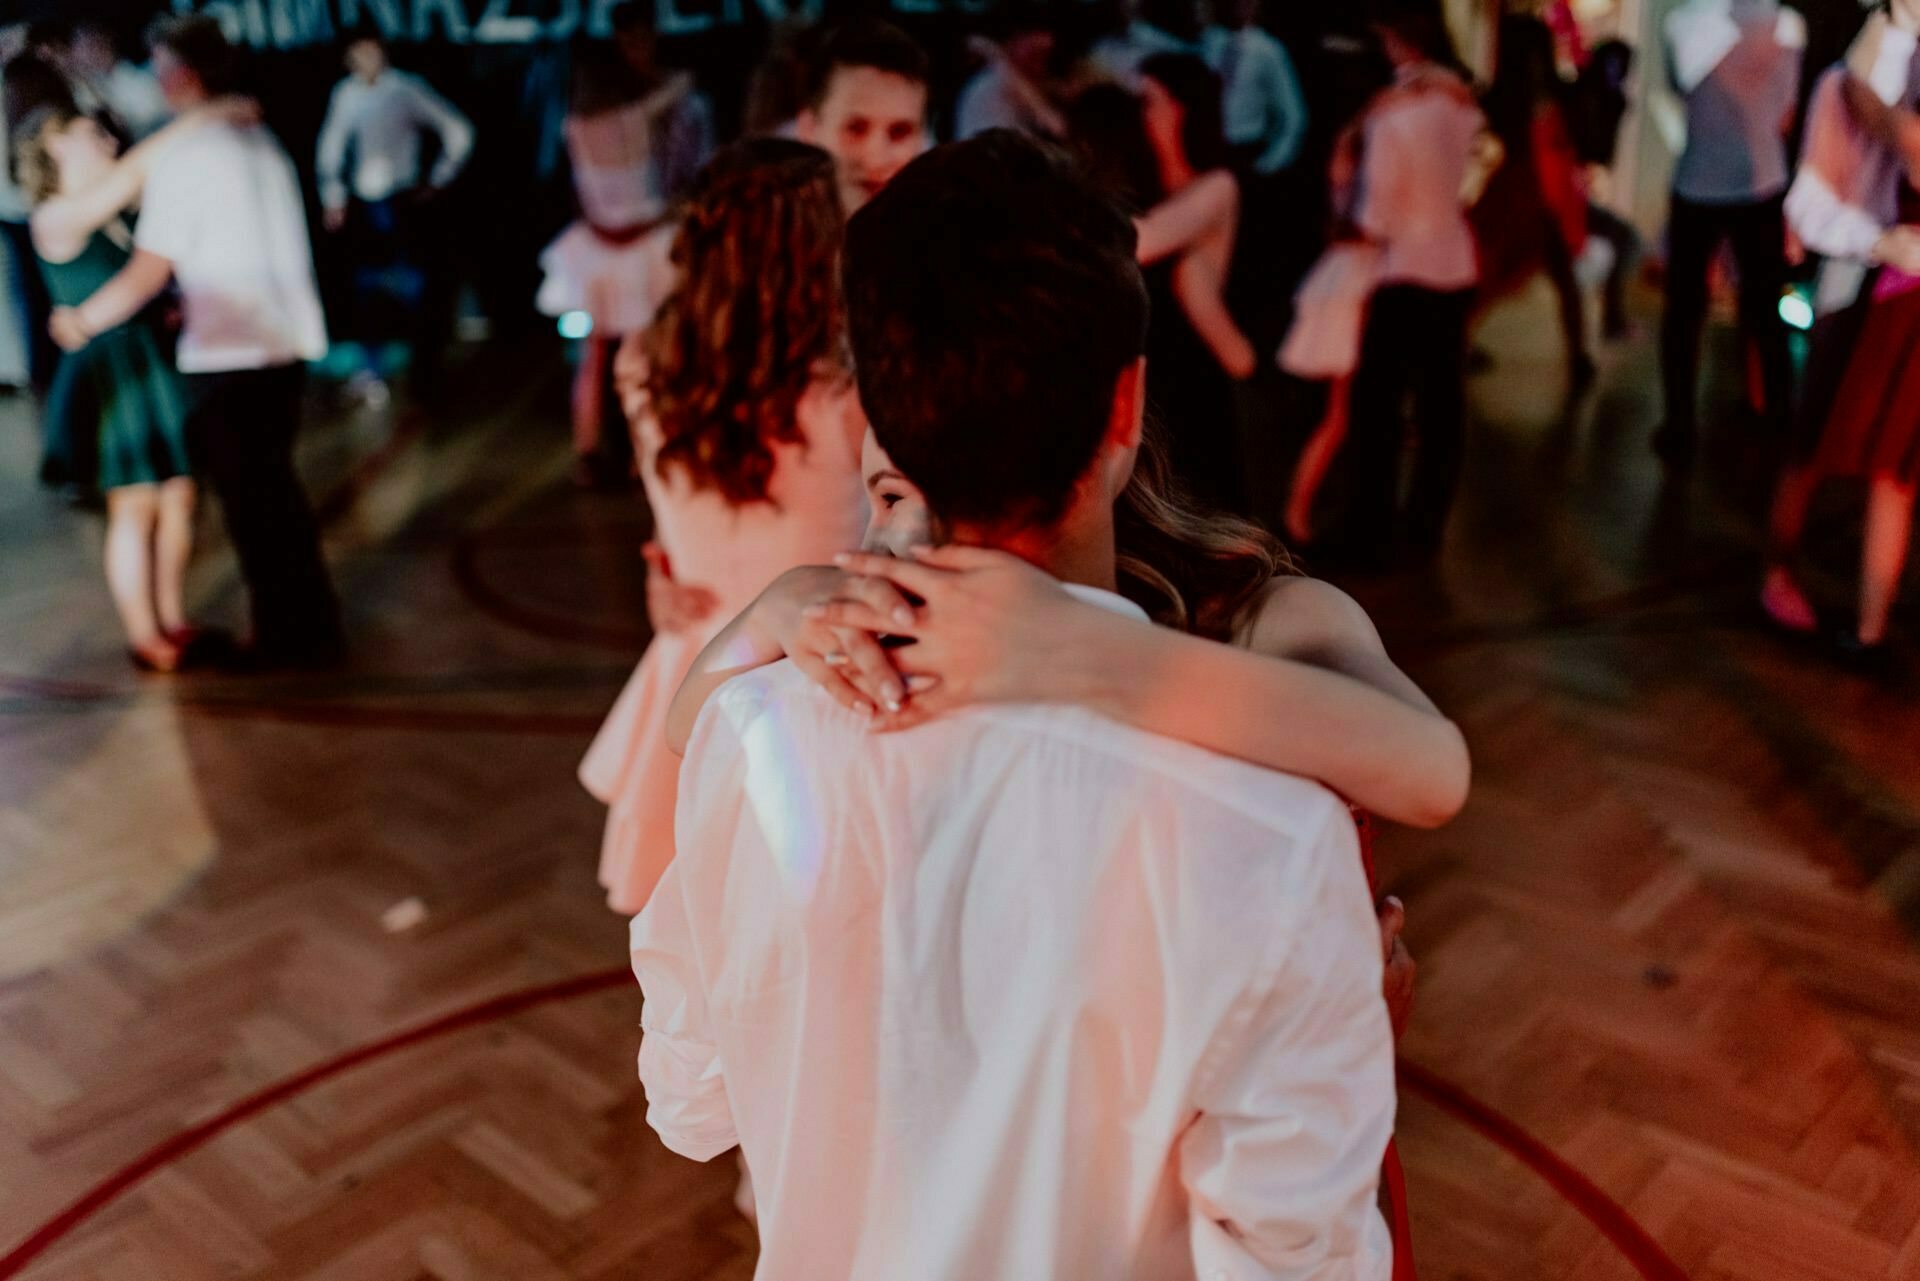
[{"x": 1672, "y": 935}]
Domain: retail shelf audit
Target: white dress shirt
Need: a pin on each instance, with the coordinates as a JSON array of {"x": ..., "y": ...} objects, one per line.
[
  {"x": 1019, "y": 994},
  {"x": 1417, "y": 149},
  {"x": 1846, "y": 194},
  {"x": 382, "y": 123},
  {"x": 1737, "y": 65},
  {"x": 1262, "y": 103},
  {"x": 988, "y": 101},
  {"x": 1118, "y": 57},
  {"x": 223, "y": 205}
]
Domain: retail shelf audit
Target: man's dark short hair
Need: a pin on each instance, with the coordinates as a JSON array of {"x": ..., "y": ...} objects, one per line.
[
  {"x": 631, "y": 15},
  {"x": 203, "y": 48},
  {"x": 865, "y": 42},
  {"x": 994, "y": 301}
]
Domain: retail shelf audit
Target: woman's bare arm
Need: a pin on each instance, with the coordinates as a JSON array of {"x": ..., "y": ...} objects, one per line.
[
  {"x": 61, "y": 225},
  {"x": 1313, "y": 693},
  {"x": 1186, "y": 218}
]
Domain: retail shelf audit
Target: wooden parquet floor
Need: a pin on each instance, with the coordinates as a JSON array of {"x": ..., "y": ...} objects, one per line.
[{"x": 1673, "y": 936}]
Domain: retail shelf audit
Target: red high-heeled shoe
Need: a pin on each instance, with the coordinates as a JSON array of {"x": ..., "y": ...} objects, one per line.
[{"x": 144, "y": 661}]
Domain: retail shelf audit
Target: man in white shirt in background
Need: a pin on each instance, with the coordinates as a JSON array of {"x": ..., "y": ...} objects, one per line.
[
  {"x": 1736, "y": 65},
  {"x": 374, "y": 189},
  {"x": 1264, "y": 110},
  {"x": 1021, "y": 992},
  {"x": 223, "y": 216}
]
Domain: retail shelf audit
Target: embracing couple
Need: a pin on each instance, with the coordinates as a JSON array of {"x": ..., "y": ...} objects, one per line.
[{"x": 1026, "y": 991}]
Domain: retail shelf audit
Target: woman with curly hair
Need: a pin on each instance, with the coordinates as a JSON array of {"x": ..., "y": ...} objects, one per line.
[{"x": 748, "y": 431}]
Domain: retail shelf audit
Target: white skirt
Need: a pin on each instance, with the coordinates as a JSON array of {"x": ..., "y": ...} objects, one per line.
[
  {"x": 619, "y": 286},
  {"x": 1330, "y": 313}
]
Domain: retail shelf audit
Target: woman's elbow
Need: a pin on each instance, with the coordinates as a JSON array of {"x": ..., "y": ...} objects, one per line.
[{"x": 1448, "y": 780}]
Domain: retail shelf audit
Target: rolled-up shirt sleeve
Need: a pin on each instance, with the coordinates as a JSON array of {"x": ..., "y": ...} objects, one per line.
[
  {"x": 1282, "y": 1163},
  {"x": 679, "y": 1063},
  {"x": 447, "y": 122}
]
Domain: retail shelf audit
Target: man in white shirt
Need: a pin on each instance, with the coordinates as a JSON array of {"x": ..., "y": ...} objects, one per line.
[
  {"x": 374, "y": 190},
  {"x": 378, "y": 117},
  {"x": 223, "y": 217},
  {"x": 1262, "y": 106},
  {"x": 1022, "y": 992},
  {"x": 1736, "y": 64},
  {"x": 1420, "y": 143}
]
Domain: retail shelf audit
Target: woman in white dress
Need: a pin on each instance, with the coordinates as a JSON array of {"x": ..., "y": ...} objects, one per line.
[{"x": 635, "y": 138}]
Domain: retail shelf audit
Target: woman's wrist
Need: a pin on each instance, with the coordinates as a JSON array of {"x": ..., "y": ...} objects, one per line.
[{"x": 1100, "y": 660}]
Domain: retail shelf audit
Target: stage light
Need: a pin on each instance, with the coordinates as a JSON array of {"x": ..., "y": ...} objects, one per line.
[
  {"x": 1796, "y": 310},
  {"x": 576, "y": 324}
]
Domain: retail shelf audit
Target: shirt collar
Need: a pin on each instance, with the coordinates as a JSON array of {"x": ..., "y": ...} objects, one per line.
[{"x": 1112, "y": 602}]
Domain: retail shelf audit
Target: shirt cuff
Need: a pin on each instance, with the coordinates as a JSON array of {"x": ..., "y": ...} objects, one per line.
[
  {"x": 1828, "y": 225},
  {"x": 686, "y": 1096}
]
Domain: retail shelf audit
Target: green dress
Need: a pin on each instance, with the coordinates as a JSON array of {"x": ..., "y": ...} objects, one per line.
[{"x": 115, "y": 416}]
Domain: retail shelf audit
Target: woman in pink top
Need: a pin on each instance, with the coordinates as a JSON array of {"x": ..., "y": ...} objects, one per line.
[{"x": 748, "y": 431}]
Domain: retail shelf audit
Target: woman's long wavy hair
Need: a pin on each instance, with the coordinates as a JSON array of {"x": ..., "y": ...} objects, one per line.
[
  {"x": 758, "y": 319},
  {"x": 33, "y": 164},
  {"x": 1191, "y": 569}
]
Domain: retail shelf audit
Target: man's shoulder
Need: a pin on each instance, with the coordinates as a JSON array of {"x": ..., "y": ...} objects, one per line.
[{"x": 1057, "y": 742}]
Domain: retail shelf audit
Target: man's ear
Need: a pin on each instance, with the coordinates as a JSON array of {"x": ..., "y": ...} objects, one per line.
[
  {"x": 1127, "y": 418},
  {"x": 806, "y": 125}
]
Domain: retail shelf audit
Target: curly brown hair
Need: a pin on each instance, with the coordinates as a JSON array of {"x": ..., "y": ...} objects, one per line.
[
  {"x": 1190, "y": 568},
  {"x": 757, "y": 320}
]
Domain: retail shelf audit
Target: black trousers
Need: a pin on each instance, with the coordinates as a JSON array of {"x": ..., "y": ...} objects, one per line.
[
  {"x": 1412, "y": 370},
  {"x": 1618, "y": 232},
  {"x": 1758, "y": 234},
  {"x": 241, "y": 427}
]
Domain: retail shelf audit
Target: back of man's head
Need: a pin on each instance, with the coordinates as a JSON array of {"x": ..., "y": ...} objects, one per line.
[
  {"x": 864, "y": 42},
  {"x": 994, "y": 302},
  {"x": 200, "y": 47}
]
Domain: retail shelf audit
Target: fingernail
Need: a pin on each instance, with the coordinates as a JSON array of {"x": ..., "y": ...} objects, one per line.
[
  {"x": 814, "y": 611},
  {"x": 835, "y": 660},
  {"x": 903, "y": 616},
  {"x": 893, "y": 702},
  {"x": 921, "y": 684},
  {"x": 842, "y": 558}
]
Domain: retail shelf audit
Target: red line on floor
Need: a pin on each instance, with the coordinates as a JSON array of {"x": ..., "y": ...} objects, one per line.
[
  {"x": 336, "y": 715},
  {"x": 1599, "y": 1209},
  {"x": 502, "y": 608},
  {"x": 1576, "y": 1189},
  {"x": 173, "y": 1149}
]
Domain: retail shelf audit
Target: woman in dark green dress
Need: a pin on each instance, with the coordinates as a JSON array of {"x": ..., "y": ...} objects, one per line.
[{"x": 115, "y": 416}]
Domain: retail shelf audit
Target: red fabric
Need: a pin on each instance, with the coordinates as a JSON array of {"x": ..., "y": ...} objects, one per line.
[
  {"x": 1873, "y": 429},
  {"x": 1393, "y": 1179},
  {"x": 1563, "y": 184}
]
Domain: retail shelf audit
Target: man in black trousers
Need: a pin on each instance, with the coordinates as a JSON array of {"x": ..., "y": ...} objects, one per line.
[{"x": 224, "y": 217}]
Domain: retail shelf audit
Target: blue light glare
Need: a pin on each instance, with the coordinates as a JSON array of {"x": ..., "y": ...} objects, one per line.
[
  {"x": 1796, "y": 311},
  {"x": 576, "y": 325}
]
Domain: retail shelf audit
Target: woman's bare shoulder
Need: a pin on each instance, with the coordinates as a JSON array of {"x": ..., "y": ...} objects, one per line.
[{"x": 1297, "y": 616}]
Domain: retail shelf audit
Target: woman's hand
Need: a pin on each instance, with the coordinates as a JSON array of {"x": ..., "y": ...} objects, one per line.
[
  {"x": 849, "y": 662},
  {"x": 1400, "y": 969},
  {"x": 990, "y": 628},
  {"x": 67, "y": 329}
]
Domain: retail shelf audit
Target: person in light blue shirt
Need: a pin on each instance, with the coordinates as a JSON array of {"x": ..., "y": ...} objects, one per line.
[{"x": 1266, "y": 114}]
